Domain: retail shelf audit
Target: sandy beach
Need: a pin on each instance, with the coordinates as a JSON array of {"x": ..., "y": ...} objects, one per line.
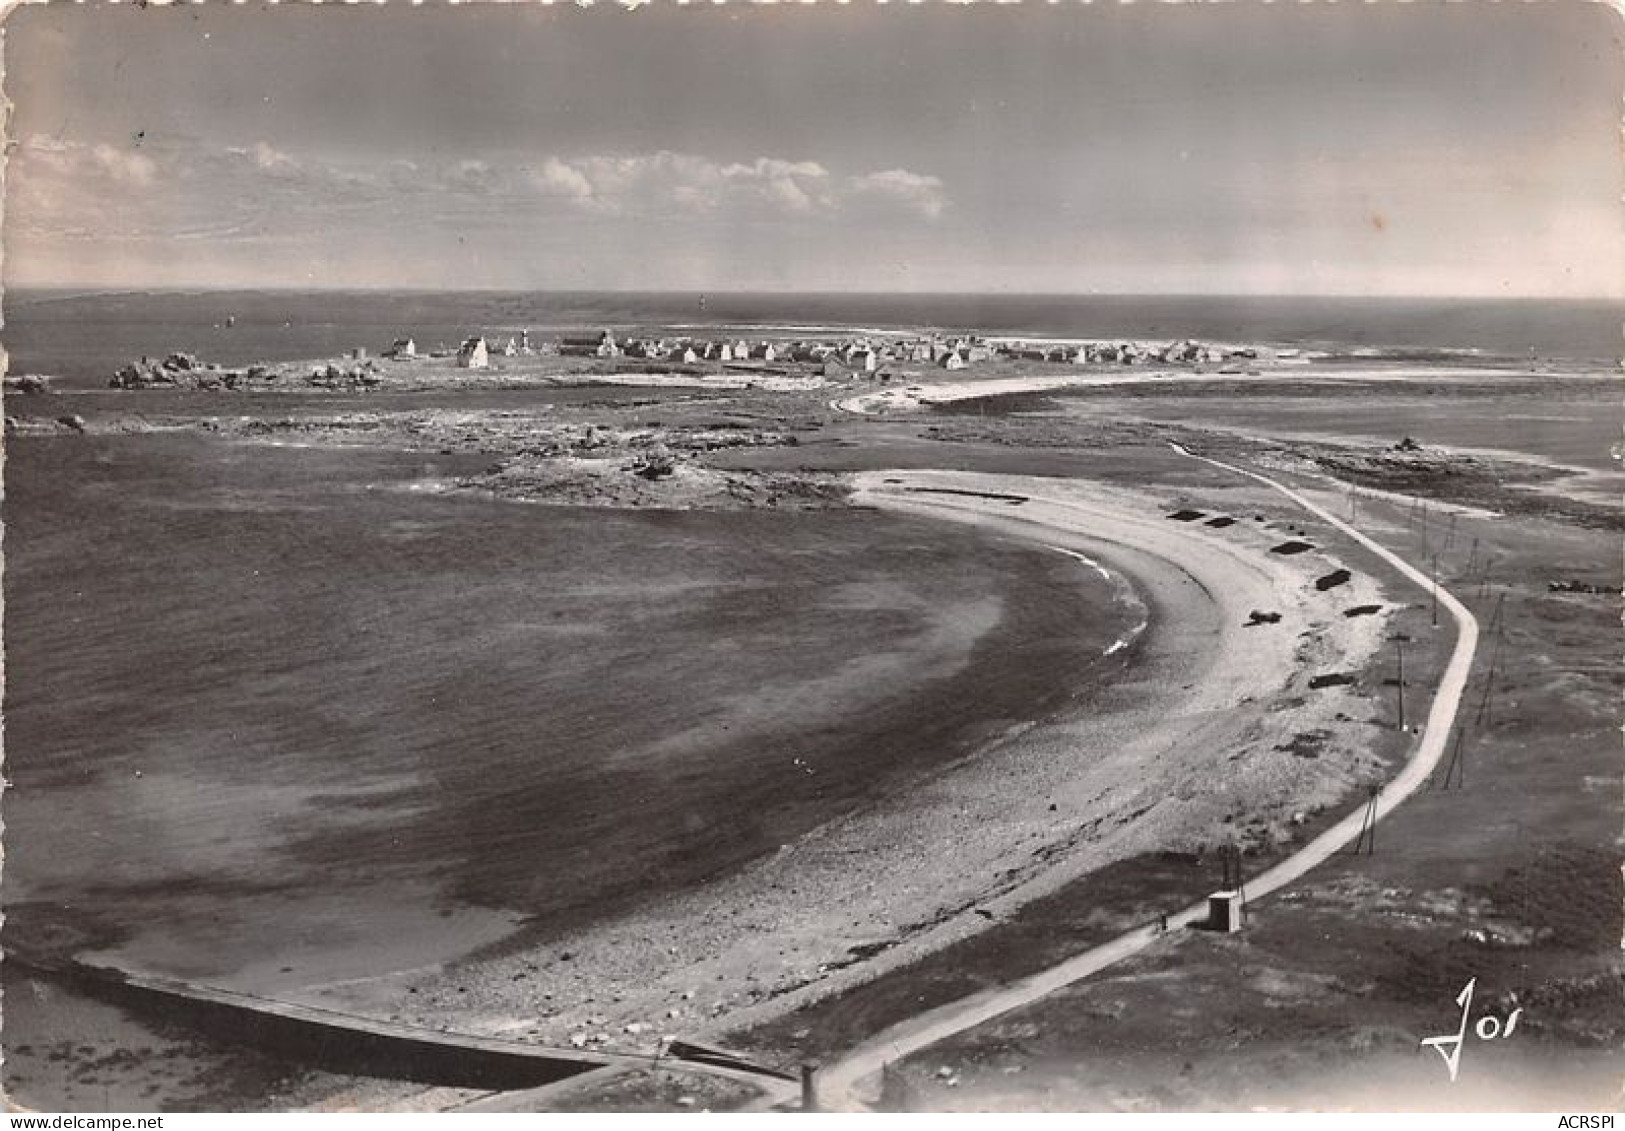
[{"x": 1187, "y": 749}]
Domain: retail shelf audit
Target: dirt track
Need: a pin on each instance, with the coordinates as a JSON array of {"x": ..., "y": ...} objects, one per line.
[{"x": 841, "y": 1080}]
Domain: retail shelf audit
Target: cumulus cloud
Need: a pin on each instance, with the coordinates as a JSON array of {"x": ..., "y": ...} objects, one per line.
[
  {"x": 565, "y": 180},
  {"x": 54, "y": 156},
  {"x": 125, "y": 165},
  {"x": 150, "y": 199},
  {"x": 911, "y": 191},
  {"x": 687, "y": 183}
]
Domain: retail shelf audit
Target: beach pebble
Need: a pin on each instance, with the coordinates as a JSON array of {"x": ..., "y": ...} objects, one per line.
[
  {"x": 636, "y": 1027},
  {"x": 578, "y": 1040}
]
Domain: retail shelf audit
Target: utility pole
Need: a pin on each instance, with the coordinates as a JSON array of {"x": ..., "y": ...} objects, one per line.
[
  {"x": 1485, "y": 709},
  {"x": 1368, "y": 825},
  {"x": 1399, "y": 646},
  {"x": 1456, "y": 761},
  {"x": 1435, "y": 577}
]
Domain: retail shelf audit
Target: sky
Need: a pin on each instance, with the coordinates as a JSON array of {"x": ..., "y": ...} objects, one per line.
[{"x": 1246, "y": 148}]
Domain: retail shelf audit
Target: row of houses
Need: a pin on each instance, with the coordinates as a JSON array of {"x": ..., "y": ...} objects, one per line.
[
  {"x": 856, "y": 355},
  {"x": 851, "y": 355},
  {"x": 473, "y": 353},
  {"x": 1185, "y": 352}
]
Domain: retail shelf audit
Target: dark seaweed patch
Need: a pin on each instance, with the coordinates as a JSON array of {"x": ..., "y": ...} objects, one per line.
[{"x": 1332, "y": 580}]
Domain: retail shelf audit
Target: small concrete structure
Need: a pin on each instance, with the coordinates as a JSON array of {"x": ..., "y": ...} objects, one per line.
[{"x": 1224, "y": 912}]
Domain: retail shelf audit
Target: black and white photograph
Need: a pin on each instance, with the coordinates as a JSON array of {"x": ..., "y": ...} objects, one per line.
[{"x": 813, "y": 557}]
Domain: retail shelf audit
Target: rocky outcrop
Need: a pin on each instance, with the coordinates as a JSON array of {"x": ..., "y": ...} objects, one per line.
[
  {"x": 362, "y": 375},
  {"x": 177, "y": 371}
]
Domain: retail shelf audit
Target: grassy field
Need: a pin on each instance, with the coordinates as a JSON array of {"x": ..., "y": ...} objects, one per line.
[{"x": 1578, "y": 426}]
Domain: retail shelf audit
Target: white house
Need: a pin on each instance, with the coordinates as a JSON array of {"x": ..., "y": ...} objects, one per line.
[
  {"x": 474, "y": 354},
  {"x": 402, "y": 347}
]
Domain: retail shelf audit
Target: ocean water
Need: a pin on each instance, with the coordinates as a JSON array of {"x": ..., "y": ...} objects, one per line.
[
  {"x": 86, "y": 337},
  {"x": 270, "y": 713}
]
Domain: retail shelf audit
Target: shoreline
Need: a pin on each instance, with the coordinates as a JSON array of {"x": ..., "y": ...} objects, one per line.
[{"x": 914, "y": 873}]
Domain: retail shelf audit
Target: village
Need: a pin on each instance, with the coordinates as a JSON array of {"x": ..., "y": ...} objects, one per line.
[
  {"x": 838, "y": 358},
  {"x": 523, "y": 354}
]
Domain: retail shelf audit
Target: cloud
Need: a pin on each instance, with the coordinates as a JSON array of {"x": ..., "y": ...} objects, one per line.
[
  {"x": 910, "y": 191},
  {"x": 609, "y": 185},
  {"x": 170, "y": 202},
  {"x": 566, "y": 181},
  {"x": 125, "y": 166},
  {"x": 765, "y": 186}
]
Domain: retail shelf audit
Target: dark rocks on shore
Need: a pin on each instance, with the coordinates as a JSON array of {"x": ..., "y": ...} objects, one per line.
[
  {"x": 656, "y": 463},
  {"x": 1333, "y": 579},
  {"x": 363, "y": 375},
  {"x": 28, "y": 383},
  {"x": 1582, "y": 587},
  {"x": 176, "y": 371},
  {"x": 69, "y": 423}
]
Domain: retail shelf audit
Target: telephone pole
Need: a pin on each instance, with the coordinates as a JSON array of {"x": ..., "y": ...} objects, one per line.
[
  {"x": 1399, "y": 646},
  {"x": 1435, "y": 578}
]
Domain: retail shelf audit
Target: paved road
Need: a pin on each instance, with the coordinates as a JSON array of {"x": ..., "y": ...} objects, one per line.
[{"x": 841, "y": 1081}]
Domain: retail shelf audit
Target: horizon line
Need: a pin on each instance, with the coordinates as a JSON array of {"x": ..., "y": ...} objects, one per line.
[{"x": 201, "y": 289}]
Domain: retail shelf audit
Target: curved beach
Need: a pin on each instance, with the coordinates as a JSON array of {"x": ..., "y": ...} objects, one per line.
[{"x": 1186, "y": 749}]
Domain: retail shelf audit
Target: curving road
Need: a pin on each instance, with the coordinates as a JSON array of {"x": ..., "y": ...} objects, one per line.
[{"x": 840, "y": 1080}]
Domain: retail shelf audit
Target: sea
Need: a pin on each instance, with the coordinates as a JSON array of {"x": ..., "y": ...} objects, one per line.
[{"x": 83, "y": 337}]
